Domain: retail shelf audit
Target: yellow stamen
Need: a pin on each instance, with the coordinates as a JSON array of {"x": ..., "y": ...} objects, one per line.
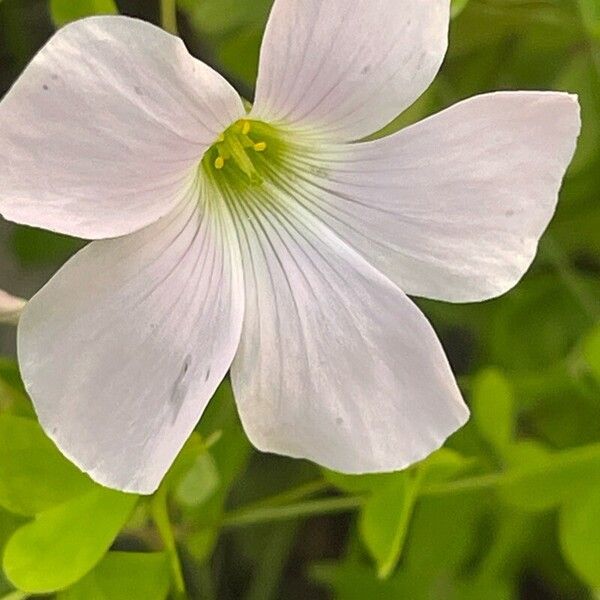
[{"x": 234, "y": 150}]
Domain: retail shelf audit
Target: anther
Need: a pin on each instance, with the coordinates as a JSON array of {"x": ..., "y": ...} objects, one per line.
[
  {"x": 260, "y": 146},
  {"x": 246, "y": 128},
  {"x": 219, "y": 162}
]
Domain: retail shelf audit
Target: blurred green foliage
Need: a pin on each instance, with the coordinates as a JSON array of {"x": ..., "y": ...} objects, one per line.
[
  {"x": 65, "y": 11},
  {"x": 509, "y": 510}
]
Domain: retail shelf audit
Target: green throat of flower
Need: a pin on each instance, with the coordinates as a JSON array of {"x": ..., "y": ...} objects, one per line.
[{"x": 244, "y": 154}]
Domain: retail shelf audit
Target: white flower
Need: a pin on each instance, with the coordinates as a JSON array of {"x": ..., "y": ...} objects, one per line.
[{"x": 266, "y": 242}]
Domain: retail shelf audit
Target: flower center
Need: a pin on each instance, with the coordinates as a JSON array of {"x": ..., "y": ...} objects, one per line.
[{"x": 242, "y": 152}]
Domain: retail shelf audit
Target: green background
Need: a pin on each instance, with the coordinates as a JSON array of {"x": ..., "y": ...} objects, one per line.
[{"x": 510, "y": 509}]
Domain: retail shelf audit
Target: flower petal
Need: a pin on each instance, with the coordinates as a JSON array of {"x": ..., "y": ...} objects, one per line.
[
  {"x": 348, "y": 68},
  {"x": 100, "y": 133},
  {"x": 335, "y": 363},
  {"x": 123, "y": 348},
  {"x": 453, "y": 207}
]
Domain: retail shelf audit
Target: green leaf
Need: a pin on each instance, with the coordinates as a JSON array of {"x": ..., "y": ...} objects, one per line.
[
  {"x": 354, "y": 581},
  {"x": 444, "y": 464},
  {"x": 491, "y": 589},
  {"x": 192, "y": 449},
  {"x": 538, "y": 324},
  {"x": 200, "y": 482},
  {"x": 454, "y": 520},
  {"x": 193, "y": 477},
  {"x": 38, "y": 247},
  {"x": 591, "y": 352},
  {"x": 579, "y": 76},
  {"x": 244, "y": 44},
  {"x": 580, "y": 536},
  {"x": 355, "y": 484},
  {"x": 200, "y": 543},
  {"x": 221, "y": 17},
  {"x": 9, "y": 371},
  {"x": 440, "y": 465},
  {"x": 34, "y": 475},
  {"x": 541, "y": 480},
  {"x": 16, "y": 595},
  {"x": 590, "y": 15},
  {"x": 385, "y": 518},
  {"x": 232, "y": 450},
  {"x": 457, "y": 7},
  {"x": 527, "y": 453},
  {"x": 235, "y": 31},
  {"x": 65, "y": 542},
  {"x": 13, "y": 397},
  {"x": 9, "y": 523},
  {"x": 229, "y": 454},
  {"x": 493, "y": 408},
  {"x": 124, "y": 576},
  {"x": 65, "y": 11}
]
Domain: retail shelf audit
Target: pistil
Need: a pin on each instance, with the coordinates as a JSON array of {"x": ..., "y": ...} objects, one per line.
[{"x": 234, "y": 148}]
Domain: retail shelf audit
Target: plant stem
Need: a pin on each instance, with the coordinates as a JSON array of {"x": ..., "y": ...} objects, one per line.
[
  {"x": 160, "y": 514},
  {"x": 168, "y": 15},
  {"x": 291, "y": 511},
  {"x": 412, "y": 490},
  {"x": 469, "y": 484},
  {"x": 267, "y": 510},
  {"x": 289, "y": 496}
]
